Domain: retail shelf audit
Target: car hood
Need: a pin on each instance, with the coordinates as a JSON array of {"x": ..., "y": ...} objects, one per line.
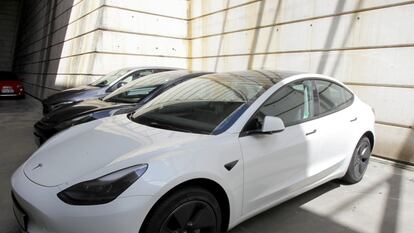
[
  {"x": 76, "y": 93},
  {"x": 96, "y": 148},
  {"x": 82, "y": 108}
]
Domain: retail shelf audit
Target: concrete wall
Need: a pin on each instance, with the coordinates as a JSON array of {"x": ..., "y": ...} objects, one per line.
[
  {"x": 368, "y": 44},
  {"x": 9, "y": 19},
  {"x": 66, "y": 43}
]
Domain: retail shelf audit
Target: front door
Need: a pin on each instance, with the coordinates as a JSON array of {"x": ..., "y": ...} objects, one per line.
[{"x": 277, "y": 164}]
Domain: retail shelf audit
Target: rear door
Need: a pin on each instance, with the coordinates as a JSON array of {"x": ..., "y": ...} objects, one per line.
[{"x": 335, "y": 122}]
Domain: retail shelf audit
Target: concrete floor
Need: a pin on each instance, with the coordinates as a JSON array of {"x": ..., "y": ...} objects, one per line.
[{"x": 382, "y": 202}]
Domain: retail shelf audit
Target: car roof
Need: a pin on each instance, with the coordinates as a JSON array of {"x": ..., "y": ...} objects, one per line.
[
  {"x": 261, "y": 78},
  {"x": 150, "y": 67}
]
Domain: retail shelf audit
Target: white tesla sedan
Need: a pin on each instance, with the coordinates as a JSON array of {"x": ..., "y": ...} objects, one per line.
[{"x": 201, "y": 157}]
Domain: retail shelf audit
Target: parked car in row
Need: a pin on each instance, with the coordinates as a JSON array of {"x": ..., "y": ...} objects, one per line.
[
  {"x": 99, "y": 88},
  {"x": 124, "y": 100},
  {"x": 202, "y": 156},
  {"x": 10, "y": 86}
]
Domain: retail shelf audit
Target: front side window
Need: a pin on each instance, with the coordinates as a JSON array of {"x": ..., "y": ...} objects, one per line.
[
  {"x": 203, "y": 104},
  {"x": 136, "y": 75},
  {"x": 332, "y": 96},
  {"x": 293, "y": 103},
  {"x": 137, "y": 90},
  {"x": 133, "y": 95},
  {"x": 109, "y": 78}
]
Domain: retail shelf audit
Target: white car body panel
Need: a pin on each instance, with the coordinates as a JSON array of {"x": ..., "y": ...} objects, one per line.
[{"x": 270, "y": 168}]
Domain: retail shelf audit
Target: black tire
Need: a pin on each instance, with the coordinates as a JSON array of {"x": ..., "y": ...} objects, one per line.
[
  {"x": 192, "y": 209},
  {"x": 359, "y": 162}
]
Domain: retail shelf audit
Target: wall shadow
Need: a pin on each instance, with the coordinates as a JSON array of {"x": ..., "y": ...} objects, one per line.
[
  {"x": 223, "y": 28},
  {"x": 256, "y": 33},
  {"x": 292, "y": 217},
  {"x": 393, "y": 205},
  {"x": 39, "y": 45},
  {"x": 272, "y": 32}
]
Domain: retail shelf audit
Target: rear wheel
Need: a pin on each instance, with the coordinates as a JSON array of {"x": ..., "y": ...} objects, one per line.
[
  {"x": 190, "y": 210},
  {"x": 359, "y": 162}
]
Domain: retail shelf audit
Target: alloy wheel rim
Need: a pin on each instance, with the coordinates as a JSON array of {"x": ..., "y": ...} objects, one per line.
[
  {"x": 191, "y": 217},
  {"x": 362, "y": 156}
]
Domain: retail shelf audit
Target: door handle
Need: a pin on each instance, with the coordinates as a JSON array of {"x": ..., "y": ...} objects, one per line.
[
  {"x": 356, "y": 118},
  {"x": 312, "y": 132}
]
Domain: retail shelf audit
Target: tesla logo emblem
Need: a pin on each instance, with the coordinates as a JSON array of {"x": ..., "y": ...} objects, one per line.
[{"x": 37, "y": 166}]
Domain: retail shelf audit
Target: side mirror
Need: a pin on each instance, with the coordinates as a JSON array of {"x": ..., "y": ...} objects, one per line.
[{"x": 272, "y": 124}]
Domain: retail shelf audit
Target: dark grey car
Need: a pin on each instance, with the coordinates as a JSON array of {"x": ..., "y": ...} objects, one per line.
[
  {"x": 99, "y": 88},
  {"x": 124, "y": 100}
]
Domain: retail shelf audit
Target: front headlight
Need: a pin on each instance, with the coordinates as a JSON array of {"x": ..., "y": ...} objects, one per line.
[
  {"x": 103, "y": 189},
  {"x": 75, "y": 121}
]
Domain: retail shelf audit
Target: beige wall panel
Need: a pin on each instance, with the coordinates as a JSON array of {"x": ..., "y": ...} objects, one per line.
[
  {"x": 370, "y": 28},
  {"x": 326, "y": 33},
  {"x": 83, "y": 8},
  {"x": 323, "y": 7},
  {"x": 78, "y": 27},
  {"x": 83, "y": 44},
  {"x": 270, "y": 61},
  {"x": 86, "y": 24},
  {"x": 104, "y": 63},
  {"x": 136, "y": 22},
  {"x": 271, "y": 39},
  {"x": 58, "y": 82},
  {"x": 395, "y": 143},
  {"x": 275, "y": 11},
  {"x": 98, "y": 63},
  {"x": 172, "y": 8},
  {"x": 393, "y": 105},
  {"x": 373, "y": 66},
  {"x": 233, "y": 19},
  {"x": 140, "y": 44},
  {"x": 202, "y": 7}
]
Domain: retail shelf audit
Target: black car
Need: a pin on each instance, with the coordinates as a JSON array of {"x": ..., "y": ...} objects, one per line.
[
  {"x": 124, "y": 100},
  {"x": 99, "y": 88}
]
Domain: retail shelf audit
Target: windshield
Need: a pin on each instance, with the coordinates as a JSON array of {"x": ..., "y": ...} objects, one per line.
[
  {"x": 133, "y": 95},
  {"x": 206, "y": 103},
  {"x": 7, "y": 76},
  {"x": 110, "y": 78},
  {"x": 137, "y": 90}
]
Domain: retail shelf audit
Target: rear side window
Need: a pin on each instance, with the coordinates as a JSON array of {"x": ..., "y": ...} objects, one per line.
[{"x": 332, "y": 97}]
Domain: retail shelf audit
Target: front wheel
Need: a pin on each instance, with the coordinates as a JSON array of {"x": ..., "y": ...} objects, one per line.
[
  {"x": 359, "y": 162},
  {"x": 190, "y": 210}
]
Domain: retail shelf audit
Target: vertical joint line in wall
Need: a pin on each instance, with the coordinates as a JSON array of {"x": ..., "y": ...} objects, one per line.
[
  {"x": 311, "y": 37},
  {"x": 16, "y": 33},
  {"x": 189, "y": 41},
  {"x": 49, "y": 39},
  {"x": 97, "y": 35}
]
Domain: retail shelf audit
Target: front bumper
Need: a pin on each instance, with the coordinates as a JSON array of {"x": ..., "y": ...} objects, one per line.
[{"x": 46, "y": 213}]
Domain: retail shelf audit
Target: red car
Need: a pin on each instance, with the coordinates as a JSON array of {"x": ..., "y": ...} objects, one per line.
[{"x": 10, "y": 85}]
